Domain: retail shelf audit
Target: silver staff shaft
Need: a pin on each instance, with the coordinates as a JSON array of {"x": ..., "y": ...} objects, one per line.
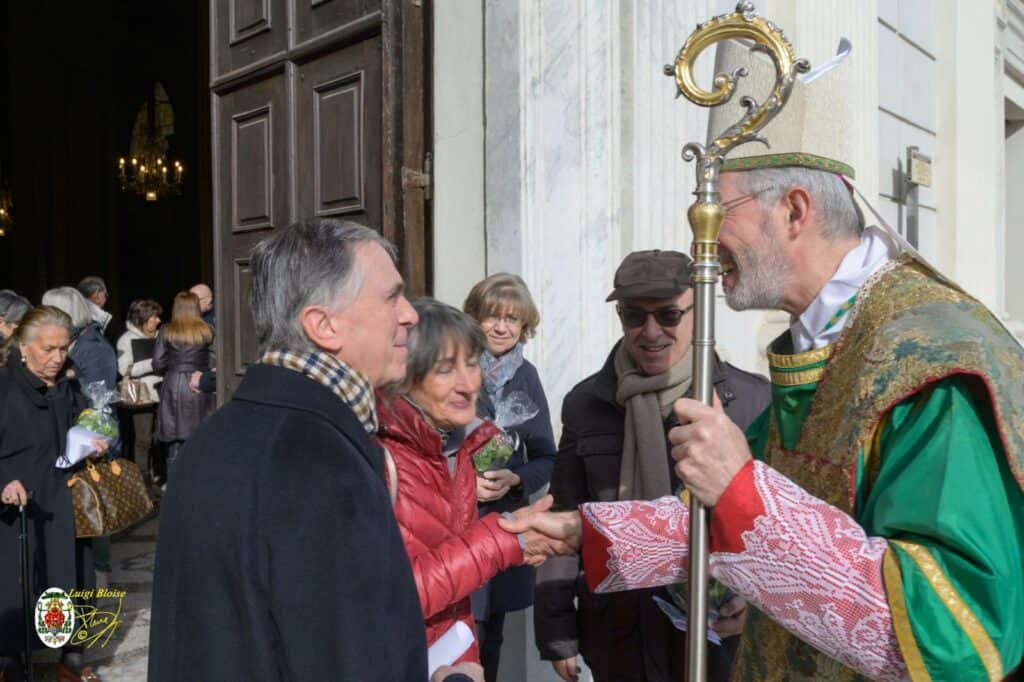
[{"x": 705, "y": 217}]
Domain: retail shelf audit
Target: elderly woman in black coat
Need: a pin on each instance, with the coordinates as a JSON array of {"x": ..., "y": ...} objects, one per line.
[
  {"x": 514, "y": 398},
  {"x": 183, "y": 346},
  {"x": 39, "y": 400}
]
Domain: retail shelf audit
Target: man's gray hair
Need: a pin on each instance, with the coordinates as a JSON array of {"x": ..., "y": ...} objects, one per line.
[
  {"x": 439, "y": 325},
  {"x": 311, "y": 262},
  {"x": 92, "y": 285},
  {"x": 13, "y": 307},
  {"x": 71, "y": 301},
  {"x": 839, "y": 217}
]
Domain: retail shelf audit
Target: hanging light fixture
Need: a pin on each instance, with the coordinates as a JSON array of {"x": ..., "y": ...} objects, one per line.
[
  {"x": 150, "y": 175},
  {"x": 147, "y": 170}
]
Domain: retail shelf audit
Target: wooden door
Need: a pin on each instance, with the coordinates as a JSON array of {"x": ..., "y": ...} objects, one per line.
[{"x": 319, "y": 109}]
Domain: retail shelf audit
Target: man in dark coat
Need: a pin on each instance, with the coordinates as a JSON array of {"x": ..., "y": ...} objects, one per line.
[
  {"x": 279, "y": 557},
  {"x": 614, "y": 445}
]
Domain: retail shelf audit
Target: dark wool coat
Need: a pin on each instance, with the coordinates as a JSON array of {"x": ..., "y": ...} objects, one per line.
[
  {"x": 452, "y": 551},
  {"x": 94, "y": 357},
  {"x": 180, "y": 410},
  {"x": 279, "y": 557},
  {"x": 622, "y": 636},
  {"x": 34, "y": 421},
  {"x": 512, "y": 590}
]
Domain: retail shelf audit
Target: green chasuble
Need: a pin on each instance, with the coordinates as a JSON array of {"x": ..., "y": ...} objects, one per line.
[{"x": 929, "y": 471}]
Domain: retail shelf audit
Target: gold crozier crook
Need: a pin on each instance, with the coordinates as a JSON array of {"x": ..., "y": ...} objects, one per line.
[{"x": 706, "y": 216}]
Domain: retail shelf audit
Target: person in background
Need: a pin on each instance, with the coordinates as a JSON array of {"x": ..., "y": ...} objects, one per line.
[
  {"x": 140, "y": 340},
  {"x": 92, "y": 354},
  {"x": 614, "y": 446},
  {"x": 282, "y": 523},
  {"x": 12, "y": 308},
  {"x": 95, "y": 360},
  {"x": 430, "y": 432},
  {"x": 183, "y": 346},
  {"x": 205, "y": 382},
  {"x": 205, "y": 295},
  {"x": 39, "y": 400},
  {"x": 94, "y": 289},
  {"x": 503, "y": 307}
]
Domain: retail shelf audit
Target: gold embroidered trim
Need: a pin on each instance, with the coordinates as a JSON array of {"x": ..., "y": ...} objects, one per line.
[
  {"x": 965, "y": 618},
  {"x": 901, "y": 621},
  {"x": 806, "y": 376},
  {"x": 797, "y": 360},
  {"x": 873, "y": 453}
]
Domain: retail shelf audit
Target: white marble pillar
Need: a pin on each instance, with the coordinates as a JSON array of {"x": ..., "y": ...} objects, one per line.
[{"x": 967, "y": 143}]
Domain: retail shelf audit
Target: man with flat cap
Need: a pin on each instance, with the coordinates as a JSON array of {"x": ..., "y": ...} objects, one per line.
[{"x": 614, "y": 447}]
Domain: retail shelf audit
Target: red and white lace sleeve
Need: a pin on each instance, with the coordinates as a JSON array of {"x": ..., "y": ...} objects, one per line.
[
  {"x": 630, "y": 545},
  {"x": 803, "y": 562}
]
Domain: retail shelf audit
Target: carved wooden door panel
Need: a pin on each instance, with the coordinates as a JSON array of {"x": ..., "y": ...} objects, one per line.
[{"x": 319, "y": 109}]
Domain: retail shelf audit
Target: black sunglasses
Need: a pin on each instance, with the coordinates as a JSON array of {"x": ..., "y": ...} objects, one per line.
[{"x": 666, "y": 317}]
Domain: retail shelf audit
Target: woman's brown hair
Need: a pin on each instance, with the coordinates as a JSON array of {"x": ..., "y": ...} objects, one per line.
[
  {"x": 503, "y": 292},
  {"x": 142, "y": 309},
  {"x": 186, "y": 325}
]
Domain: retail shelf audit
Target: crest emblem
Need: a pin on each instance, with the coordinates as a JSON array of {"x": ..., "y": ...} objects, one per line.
[{"x": 55, "y": 617}]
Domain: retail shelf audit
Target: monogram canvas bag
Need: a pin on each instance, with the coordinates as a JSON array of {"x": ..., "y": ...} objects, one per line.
[{"x": 107, "y": 497}]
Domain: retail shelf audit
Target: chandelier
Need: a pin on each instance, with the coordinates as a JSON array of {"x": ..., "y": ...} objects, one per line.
[
  {"x": 150, "y": 176},
  {"x": 147, "y": 170}
]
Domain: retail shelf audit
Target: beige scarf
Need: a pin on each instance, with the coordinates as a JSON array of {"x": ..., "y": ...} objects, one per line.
[{"x": 644, "y": 472}]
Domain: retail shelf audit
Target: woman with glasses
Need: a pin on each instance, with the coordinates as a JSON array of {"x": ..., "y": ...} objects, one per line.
[{"x": 514, "y": 398}]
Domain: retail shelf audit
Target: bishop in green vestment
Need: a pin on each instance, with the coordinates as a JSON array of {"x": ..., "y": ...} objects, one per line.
[{"x": 873, "y": 516}]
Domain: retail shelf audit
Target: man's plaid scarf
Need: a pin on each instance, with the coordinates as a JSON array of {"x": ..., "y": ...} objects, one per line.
[{"x": 325, "y": 369}]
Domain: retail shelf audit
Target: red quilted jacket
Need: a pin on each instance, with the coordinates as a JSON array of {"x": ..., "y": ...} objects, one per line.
[{"x": 452, "y": 551}]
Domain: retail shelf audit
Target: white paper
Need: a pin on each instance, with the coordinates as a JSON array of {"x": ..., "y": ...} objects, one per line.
[
  {"x": 78, "y": 447},
  {"x": 680, "y": 621},
  {"x": 452, "y": 644}
]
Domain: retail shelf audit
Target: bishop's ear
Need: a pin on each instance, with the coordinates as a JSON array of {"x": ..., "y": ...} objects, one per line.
[{"x": 799, "y": 207}]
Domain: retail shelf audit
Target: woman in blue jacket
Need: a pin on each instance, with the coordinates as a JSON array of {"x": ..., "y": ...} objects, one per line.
[{"x": 513, "y": 397}]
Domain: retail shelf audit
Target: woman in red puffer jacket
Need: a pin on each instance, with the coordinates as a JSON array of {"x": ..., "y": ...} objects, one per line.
[{"x": 430, "y": 432}]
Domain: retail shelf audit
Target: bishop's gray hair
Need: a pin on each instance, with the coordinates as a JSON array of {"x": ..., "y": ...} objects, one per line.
[
  {"x": 311, "y": 262},
  {"x": 839, "y": 217}
]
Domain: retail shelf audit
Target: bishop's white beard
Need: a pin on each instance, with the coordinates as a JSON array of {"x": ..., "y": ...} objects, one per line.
[{"x": 761, "y": 275}]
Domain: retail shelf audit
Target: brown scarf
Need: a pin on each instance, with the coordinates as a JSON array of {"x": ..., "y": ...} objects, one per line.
[{"x": 644, "y": 472}]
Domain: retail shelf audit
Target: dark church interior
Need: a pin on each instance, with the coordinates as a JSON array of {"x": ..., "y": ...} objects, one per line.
[{"x": 73, "y": 78}]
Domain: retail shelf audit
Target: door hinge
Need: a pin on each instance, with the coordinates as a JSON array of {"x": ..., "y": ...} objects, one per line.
[{"x": 420, "y": 179}]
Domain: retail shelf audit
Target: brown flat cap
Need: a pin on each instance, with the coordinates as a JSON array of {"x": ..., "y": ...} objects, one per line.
[{"x": 651, "y": 274}]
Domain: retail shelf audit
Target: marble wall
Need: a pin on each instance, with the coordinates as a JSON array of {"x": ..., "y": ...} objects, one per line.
[
  {"x": 582, "y": 155},
  {"x": 582, "y": 159}
]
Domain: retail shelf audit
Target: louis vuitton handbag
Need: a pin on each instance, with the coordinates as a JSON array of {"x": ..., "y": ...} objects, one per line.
[{"x": 107, "y": 497}]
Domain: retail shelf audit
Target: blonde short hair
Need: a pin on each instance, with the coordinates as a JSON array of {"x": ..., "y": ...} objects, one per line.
[{"x": 503, "y": 291}]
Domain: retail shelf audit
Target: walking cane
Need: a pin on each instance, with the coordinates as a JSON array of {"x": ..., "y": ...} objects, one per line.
[
  {"x": 705, "y": 217},
  {"x": 26, "y": 591}
]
